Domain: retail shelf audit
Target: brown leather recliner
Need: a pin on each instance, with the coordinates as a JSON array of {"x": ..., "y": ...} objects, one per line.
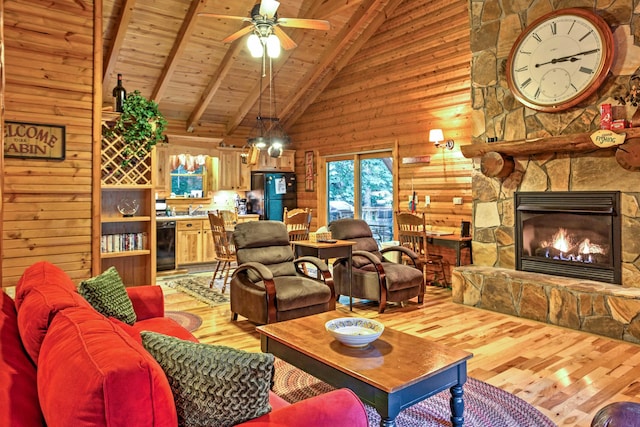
[
  {"x": 373, "y": 277},
  {"x": 268, "y": 284}
]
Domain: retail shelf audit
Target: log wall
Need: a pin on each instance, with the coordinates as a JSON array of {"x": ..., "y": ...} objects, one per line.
[
  {"x": 47, "y": 212},
  {"x": 411, "y": 76}
]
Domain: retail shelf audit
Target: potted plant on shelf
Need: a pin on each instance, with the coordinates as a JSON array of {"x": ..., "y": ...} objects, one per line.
[{"x": 140, "y": 125}]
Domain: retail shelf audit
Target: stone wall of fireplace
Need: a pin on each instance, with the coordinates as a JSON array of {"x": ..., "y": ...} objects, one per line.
[{"x": 496, "y": 113}]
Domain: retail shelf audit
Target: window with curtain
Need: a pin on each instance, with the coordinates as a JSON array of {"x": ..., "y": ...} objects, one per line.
[{"x": 189, "y": 173}]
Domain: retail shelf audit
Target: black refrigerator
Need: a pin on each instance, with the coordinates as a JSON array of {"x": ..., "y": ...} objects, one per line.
[{"x": 271, "y": 192}]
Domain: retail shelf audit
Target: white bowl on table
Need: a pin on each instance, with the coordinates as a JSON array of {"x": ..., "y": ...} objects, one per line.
[{"x": 354, "y": 331}]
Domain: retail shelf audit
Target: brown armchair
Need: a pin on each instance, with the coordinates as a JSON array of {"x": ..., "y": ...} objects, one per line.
[
  {"x": 268, "y": 285},
  {"x": 374, "y": 277}
]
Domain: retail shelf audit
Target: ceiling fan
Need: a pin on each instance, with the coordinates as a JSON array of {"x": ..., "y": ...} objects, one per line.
[{"x": 265, "y": 28}]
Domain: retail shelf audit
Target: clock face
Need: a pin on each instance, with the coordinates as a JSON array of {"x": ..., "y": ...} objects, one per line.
[{"x": 560, "y": 60}]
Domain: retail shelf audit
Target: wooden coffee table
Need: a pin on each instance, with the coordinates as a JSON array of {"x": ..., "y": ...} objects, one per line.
[{"x": 392, "y": 373}]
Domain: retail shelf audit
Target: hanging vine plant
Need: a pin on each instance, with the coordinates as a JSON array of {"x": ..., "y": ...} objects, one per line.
[{"x": 141, "y": 126}]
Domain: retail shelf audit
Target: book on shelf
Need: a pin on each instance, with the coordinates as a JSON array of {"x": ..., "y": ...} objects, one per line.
[{"x": 123, "y": 242}]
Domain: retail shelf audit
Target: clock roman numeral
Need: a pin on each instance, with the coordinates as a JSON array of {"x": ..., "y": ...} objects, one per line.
[
  {"x": 571, "y": 27},
  {"x": 574, "y": 88},
  {"x": 537, "y": 94},
  {"x": 554, "y": 28},
  {"x": 537, "y": 37},
  {"x": 525, "y": 83},
  {"x": 586, "y": 70},
  {"x": 521, "y": 69}
]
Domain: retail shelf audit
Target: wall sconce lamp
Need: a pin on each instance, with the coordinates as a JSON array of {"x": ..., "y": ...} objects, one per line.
[{"x": 436, "y": 136}]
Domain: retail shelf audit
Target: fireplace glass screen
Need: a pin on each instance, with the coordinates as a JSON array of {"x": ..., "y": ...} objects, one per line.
[
  {"x": 574, "y": 234},
  {"x": 567, "y": 237}
]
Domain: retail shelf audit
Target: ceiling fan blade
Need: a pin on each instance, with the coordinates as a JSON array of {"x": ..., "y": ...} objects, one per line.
[
  {"x": 312, "y": 24},
  {"x": 215, "y": 15},
  {"x": 238, "y": 34},
  {"x": 269, "y": 8},
  {"x": 286, "y": 41}
]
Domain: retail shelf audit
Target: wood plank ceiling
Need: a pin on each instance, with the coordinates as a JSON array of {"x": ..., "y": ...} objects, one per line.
[{"x": 172, "y": 55}]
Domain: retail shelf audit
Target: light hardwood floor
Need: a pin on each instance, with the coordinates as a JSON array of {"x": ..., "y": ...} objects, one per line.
[{"x": 567, "y": 375}]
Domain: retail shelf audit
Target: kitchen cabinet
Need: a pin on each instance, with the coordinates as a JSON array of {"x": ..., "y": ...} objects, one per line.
[
  {"x": 284, "y": 163},
  {"x": 208, "y": 248},
  {"x": 162, "y": 180},
  {"x": 233, "y": 173},
  {"x": 127, "y": 242},
  {"x": 188, "y": 242}
]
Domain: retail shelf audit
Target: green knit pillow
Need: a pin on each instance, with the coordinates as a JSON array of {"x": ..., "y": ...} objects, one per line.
[
  {"x": 107, "y": 294},
  {"x": 213, "y": 385}
]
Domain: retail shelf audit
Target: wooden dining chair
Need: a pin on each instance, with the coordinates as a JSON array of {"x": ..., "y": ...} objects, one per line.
[
  {"x": 230, "y": 218},
  {"x": 412, "y": 234},
  {"x": 225, "y": 251},
  {"x": 298, "y": 222}
]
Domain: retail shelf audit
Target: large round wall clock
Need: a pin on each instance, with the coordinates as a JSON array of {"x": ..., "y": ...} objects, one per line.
[{"x": 560, "y": 59}]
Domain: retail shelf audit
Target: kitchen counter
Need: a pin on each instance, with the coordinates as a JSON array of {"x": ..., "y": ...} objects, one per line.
[{"x": 247, "y": 217}]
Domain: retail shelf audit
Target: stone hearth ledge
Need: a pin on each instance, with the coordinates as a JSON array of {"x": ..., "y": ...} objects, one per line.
[{"x": 585, "y": 305}]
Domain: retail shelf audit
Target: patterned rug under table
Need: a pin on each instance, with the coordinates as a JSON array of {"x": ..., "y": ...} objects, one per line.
[{"x": 484, "y": 404}]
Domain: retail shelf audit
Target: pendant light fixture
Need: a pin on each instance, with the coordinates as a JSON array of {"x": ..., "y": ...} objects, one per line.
[{"x": 268, "y": 132}]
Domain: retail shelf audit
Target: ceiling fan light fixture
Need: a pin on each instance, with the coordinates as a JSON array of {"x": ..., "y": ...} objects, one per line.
[
  {"x": 273, "y": 46},
  {"x": 268, "y": 8},
  {"x": 255, "y": 46}
]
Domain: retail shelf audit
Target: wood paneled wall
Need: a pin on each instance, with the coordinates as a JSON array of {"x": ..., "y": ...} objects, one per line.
[
  {"x": 47, "y": 212},
  {"x": 411, "y": 76}
]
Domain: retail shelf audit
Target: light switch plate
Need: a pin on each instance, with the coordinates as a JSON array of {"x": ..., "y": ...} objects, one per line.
[
  {"x": 457, "y": 200},
  {"x": 427, "y": 200}
]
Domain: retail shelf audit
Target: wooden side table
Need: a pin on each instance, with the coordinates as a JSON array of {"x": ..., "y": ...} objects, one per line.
[{"x": 325, "y": 251}]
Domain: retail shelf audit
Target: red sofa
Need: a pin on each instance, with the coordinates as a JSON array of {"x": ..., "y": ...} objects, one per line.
[{"x": 64, "y": 364}]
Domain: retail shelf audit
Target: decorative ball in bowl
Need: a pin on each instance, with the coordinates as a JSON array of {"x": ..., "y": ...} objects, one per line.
[
  {"x": 128, "y": 207},
  {"x": 354, "y": 331}
]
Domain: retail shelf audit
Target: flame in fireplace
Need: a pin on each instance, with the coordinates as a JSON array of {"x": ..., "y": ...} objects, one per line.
[{"x": 561, "y": 241}]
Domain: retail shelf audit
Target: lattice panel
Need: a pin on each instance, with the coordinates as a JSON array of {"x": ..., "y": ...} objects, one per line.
[{"x": 115, "y": 171}]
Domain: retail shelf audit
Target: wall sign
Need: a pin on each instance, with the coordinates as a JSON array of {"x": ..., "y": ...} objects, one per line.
[
  {"x": 308, "y": 171},
  {"x": 34, "y": 141}
]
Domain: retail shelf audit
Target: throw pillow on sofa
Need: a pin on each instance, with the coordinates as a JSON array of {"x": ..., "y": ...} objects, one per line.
[
  {"x": 213, "y": 385},
  {"x": 108, "y": 295}
]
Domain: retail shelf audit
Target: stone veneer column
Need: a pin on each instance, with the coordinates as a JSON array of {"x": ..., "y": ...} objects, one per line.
[{"x": 495, "y": 26}]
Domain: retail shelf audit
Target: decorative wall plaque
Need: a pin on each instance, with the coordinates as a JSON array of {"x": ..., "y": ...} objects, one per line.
[{"x": 34, "y": 141}]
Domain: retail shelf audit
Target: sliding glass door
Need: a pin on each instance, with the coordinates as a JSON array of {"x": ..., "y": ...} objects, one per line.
[{"x": 361, "y": 186}]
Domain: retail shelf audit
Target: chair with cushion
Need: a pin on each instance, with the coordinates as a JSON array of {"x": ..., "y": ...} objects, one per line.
[
  {"x": 373, "y": 276},
  {"x": 268, "y": 285},
  {"x": 225, "y": 251},
  {"x": 298, "y": 222},
  {"x": 412, "y": 234}
]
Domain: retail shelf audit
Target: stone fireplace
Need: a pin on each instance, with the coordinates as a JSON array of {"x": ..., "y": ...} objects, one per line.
[
  {"x": 494, "y": 282},
  {"x": 570, "y": 234}
]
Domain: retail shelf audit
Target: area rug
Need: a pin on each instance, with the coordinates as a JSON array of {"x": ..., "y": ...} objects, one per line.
[
  {"x": 189, "y": 321},
  {"x": 198, "y": 287},
  {"x": 484, "y": 404}
]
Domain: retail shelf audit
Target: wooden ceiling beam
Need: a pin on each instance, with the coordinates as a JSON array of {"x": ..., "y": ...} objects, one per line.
[
  {"x": 118, "y": 40},
  {"x": 214, "y": 85},
  {"x": 366, "y": 21},
  {"x": 188, "y": 25},
  {"x": 334, "y": 7}
]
